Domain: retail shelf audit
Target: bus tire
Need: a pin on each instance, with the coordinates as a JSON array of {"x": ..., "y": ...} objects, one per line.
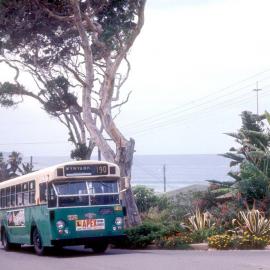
[
  {"x": 100, "y": 247},
  {"x": 37, "y": 241},
  {"x": 5, "y": 241}
]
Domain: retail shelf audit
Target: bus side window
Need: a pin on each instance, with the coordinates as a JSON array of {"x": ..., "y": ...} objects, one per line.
[
  {"x": 43, "y": 192},
  {"x": 25, "y": 194},
  {"x": 19, "y": 196},
  {"x": 3, "y": 198},
  {"x": 13, "y": 196},
  {"x": 8, "y": 196},
  {"x": 32, "y": 193}
]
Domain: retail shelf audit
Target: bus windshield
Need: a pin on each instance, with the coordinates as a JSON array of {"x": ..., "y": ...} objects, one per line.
[
  {"x": 70, "y": 188},
  {"x": 83, "y": 193}
]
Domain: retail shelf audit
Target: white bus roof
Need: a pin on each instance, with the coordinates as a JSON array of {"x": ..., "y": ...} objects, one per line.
[{"x": 50, "y": 172}]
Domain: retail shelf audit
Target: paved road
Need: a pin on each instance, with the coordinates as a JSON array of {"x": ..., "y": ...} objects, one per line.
[{"x": 80, "y": 259}]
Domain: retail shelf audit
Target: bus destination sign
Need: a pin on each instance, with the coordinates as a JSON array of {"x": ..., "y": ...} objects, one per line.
[{"x": 86, "y": 170}]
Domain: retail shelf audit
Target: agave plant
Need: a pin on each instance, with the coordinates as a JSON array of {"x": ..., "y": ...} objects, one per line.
[
  {"x": 252, "y": 221},
  {"x": 200, "y": 221}
]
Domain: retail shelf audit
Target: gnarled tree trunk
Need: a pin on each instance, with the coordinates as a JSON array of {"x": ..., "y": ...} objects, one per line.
[{"x": 124, "y": 159}]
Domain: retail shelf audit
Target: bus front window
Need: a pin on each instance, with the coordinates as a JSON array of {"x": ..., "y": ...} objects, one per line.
[
  {"x": 83, "y": 193},
  {"x": 72, "y": 194},
  {"x": 71, "y": 188},
  {"x": 51, "y": 196},
  {"x": 104, "y": 199},
  {"x": 103, "y": 187},
  {"x": 103, "y": 192}
]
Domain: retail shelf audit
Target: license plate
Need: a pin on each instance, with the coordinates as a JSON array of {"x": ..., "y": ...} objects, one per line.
[{"x": 90, "y": 224}]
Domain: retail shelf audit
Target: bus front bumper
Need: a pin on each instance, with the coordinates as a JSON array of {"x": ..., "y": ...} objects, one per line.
[{"x": 89, "y": 241}]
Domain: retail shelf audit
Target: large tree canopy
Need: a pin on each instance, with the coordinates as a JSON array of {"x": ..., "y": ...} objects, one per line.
[{"x": 76, "y": 52}]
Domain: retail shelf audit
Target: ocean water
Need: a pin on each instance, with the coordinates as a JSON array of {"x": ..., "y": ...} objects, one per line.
[{"x": 181, "y": 170}]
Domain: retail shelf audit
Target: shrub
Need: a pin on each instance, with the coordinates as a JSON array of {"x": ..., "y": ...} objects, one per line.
[
  {"x": 249, "y": 241},
  {"x": 141, "y": 236},
  {"x": 202, "y": 235},
  {"x": 146, "y": 199},
  {"x": 200, "y": 221},
  {"x": 222, "y": 241},
  {"x": 256, "y": 188},
  {"x": 246, "y": 241},
  {"x": 178, "y": 241},
  {"x": 224, "y": 213},
  {"x": 253, "y": 222},
  {"x": 156, "y": 215}
]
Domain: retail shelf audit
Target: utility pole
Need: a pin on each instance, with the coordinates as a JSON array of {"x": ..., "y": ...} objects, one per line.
[
  {"x": 31, "y": 162},
  {"x": 99, "y": 154},
  {"x": 257, "y": 94},
  {"x": 164, "y": 177}
]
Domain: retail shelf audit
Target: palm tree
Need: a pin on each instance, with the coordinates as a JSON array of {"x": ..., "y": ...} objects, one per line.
[
  {"x": 13, "y": 166},
  {"x": 252, "y": 158}
]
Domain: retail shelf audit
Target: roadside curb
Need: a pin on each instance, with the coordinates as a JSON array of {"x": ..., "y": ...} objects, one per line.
[
  {"x": 199, "y": 246},
  {"x": 202, "y": 247}
]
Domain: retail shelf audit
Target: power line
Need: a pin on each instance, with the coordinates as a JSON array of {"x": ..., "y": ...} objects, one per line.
[
  {"x": 187, "y": 119},
  {"x": 195, "y": 106},
  {"x": 32, "y": 143},
  {"x": 202, "y": 98}
]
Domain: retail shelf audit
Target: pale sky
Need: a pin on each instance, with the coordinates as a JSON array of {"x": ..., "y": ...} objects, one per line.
[{"x": 193, "y": 70}]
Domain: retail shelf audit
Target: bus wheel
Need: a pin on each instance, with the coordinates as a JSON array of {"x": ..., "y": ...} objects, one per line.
[
  {"x": 5, "y": 242},
  {"x": 37, "y": 241},
  {"x": 100, "y": 248}
]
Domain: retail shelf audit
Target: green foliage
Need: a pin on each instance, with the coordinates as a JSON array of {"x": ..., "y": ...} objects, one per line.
[
  {"x": 58, "y": 97},
  {"x": 252, "y": 157},
  {"x": 141, "y": 236},
  {"x": 254, "y": 189},
  {"x": 199, "y": 221},
  {"x": 178, "y": 241},
  {"x": 223, "y": 241},
  {"x": 200, "y": 225},
  {"x": 156, "y": 215},
  {"x": 251, "y": 241},
  {"x": 154, "y": 233},
  {"x": 224, "y": 213},
  {"x": 229, "y": 241},
  {"x": 254, "y": 184},
  {"x": 46, "y": 40},
  {"x": 7, "y": 93},
  {"x": 13, "y": 166},
  {"x": 81, "y": 152},
  {"x": 146, "y": 199},
  {"x": 253, "y": 222},
  {"x": 221, "y": 184},
  {"x": 251, "y": 231},
  {"x": 30, "y": 26},
  {"x": 201, "y": 236}
]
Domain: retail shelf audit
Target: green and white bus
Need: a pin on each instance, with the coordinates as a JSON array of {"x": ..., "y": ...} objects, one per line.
[{"x": 74, "y": 203}]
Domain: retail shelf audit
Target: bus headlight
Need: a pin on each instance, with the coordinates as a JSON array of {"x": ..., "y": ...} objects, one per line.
[
  {"x": 119, "y": 221},
  {"x": 60, "y": 224}
]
